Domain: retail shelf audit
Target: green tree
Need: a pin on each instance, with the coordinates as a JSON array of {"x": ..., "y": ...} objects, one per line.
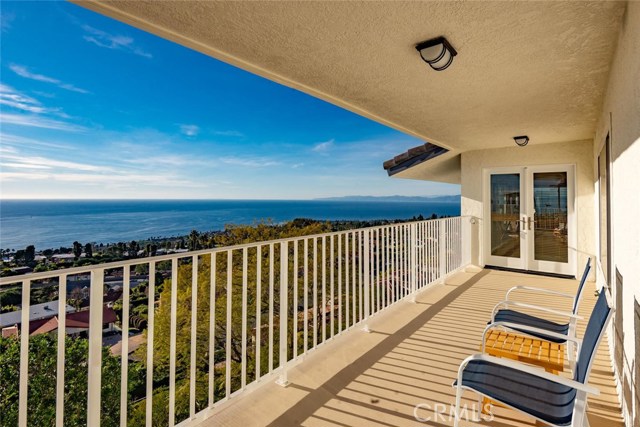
[
  {"x": 19, "y": 256},
  {"x": 134, "y": 247},
  {"x": 88, "y": 250},
  {"x": 232, "y": 235},
  {"x": 11, "y": 296},
  {"x": 76, "y": 297},
  {"x": 8, "y": 308},
  {"x": 194, "y": 240},
  {"x": 77, "y": 249},
  {"x": 42, "y": 382},
  {"x": 29, "y": 254},
  {"x": 142, "y": 269},
  {"x": 41, "y": 267}
]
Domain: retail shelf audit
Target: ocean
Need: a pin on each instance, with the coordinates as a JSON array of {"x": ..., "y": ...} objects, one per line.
[{"x": 55, "y": 223}]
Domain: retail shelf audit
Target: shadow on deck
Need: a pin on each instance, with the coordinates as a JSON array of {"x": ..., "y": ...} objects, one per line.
[{"x": 411, "y": 357}]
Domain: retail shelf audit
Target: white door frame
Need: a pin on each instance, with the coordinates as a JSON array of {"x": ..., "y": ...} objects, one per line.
[{"x": 526, "y": 260}]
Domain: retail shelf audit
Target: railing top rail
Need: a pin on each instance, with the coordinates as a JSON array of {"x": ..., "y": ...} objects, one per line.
[{"x": 14, "y": 280}]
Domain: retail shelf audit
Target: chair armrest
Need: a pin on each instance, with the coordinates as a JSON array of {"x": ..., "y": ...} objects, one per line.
[
  {"x": 541, "y": 290},
  {"x": 538, "y": 372},
  {"x": 507, "y": 303}
]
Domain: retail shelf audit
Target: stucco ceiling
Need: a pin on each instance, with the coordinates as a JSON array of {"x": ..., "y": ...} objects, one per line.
[{"x": 522, "y": 68}]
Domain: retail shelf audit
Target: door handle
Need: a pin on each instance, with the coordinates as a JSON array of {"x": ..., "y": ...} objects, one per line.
[{"x": 531, "y": 221}]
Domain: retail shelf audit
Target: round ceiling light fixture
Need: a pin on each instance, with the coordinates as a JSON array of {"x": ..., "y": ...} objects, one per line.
[
  {"x": 521, "y": 140},
  {"x": 438, "y": 53}
]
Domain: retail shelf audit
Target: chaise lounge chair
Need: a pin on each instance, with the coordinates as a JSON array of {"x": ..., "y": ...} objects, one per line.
[{"x": 553, "y": 399}]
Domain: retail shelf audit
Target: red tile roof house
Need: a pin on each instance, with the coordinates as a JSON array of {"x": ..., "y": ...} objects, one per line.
[
  {"x": 38, "y": 314},
  {"x": 44, "y": 318},
  {"x": 76, "y": 322}
]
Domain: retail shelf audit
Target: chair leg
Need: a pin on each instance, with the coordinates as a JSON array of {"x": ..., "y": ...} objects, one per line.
[
  {"x": 479, "y": 412},
  {"x": 456, "y": 419},
  {"x": 580, "y": 418}
]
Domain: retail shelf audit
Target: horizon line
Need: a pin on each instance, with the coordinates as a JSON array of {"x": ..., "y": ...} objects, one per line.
[{"x": 12, "y": 199}]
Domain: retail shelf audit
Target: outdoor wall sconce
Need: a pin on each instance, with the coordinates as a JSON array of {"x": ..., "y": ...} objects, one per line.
[
  {"x": 521, "y": 140},
  {"x": 438, "y": 53}
]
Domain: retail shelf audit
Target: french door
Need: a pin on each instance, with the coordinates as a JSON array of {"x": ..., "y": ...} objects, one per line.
[{"x": 530, "y": 214}]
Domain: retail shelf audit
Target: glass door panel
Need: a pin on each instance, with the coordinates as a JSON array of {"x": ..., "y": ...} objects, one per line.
[
  {"x": 550, "y": 217},
  {"x": 530, "y": 218},
  {"x": 505, "y": 215}
]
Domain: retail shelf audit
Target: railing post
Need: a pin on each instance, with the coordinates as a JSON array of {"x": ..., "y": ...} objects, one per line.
[
  {"x": 194, "y": 337},
  {"x": 414, "y": 259},
  {"x": 173, "y": 333},
  {"x": 62, "y": 326},
  {"x": 95, "y": 348},
  {"x": 150, "y": 333},
  {"x": 24, "y": 355},
  {"x": 284, "y": 276},
  {"x": 367, "y": 281},
  {"x": 124, "y": 337},
  {"x": 442, "y": 246}
]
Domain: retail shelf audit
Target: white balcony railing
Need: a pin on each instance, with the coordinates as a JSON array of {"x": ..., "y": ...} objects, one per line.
[{"x": 262, "y": 307}]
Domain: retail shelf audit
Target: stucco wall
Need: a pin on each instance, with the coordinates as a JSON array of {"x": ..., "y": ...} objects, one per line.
[
  {"x": 621, "y": 117},
  {"x": 578, "y": 153}
]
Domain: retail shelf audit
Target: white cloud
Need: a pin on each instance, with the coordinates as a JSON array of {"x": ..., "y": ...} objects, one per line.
[
  {"x": 189, "y": 130},
  {"x": 228, "y": 133},
  {"x": 12, "y": 98},
  {"x": 38, "y": 122},
  {"x": 22, "y": 106},
  {"x": 44, "y": 94},
  {"x": 32, "y": 162},
  {"x": 15, "y": 176},
  {"x": 23, "y": 71},
  {"x": 131, "y": 180},
  {"x": 8, "y": 92},
  {"x": 20, "y": 141},
  {"x": 22, "y": 166},
  {"x": 7, "y": 148},
  {"x": 5, "y": 21},
  {"x": 323, "y": 147},
  {"x": 16, "y": 167},
  {"x": 169, "y": 160},
  {"x": 109, "y": 41},
  {"x": 19, "y": 101},
  {"x": 250, "y": 162}
]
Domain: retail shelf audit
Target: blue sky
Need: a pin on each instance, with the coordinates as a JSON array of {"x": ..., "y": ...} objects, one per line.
[{"x": 93, "y": 108}]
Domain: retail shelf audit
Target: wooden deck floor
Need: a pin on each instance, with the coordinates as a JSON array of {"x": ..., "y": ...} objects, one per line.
[{"x": 411, "y": 357}]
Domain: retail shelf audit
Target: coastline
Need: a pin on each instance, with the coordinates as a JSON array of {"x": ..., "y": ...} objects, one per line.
[
  {"x": 30, "y": 259},
  {"x": 52, "y": 224}
]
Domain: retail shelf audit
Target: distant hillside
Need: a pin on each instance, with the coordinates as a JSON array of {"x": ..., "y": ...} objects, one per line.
[{"x": 432, "y": 199}]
